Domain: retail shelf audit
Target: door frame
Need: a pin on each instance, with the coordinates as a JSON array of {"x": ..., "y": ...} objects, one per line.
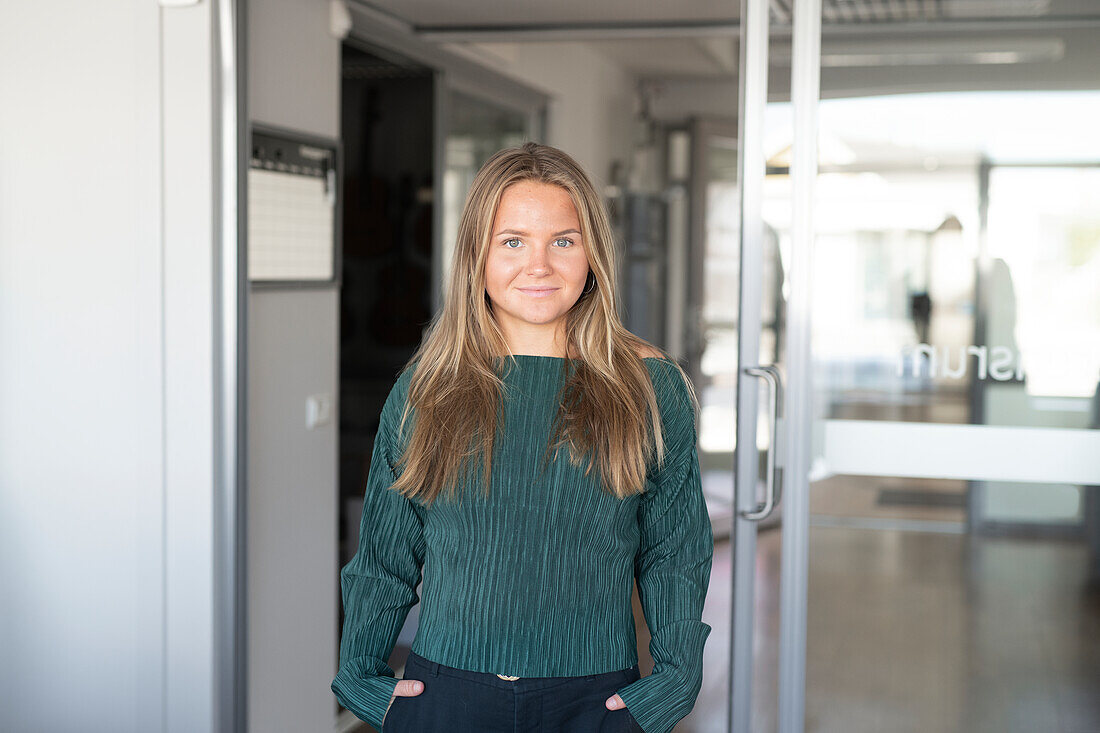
[{"x": 793, "y": 432}]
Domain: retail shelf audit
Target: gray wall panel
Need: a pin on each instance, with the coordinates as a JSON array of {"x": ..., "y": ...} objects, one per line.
[
  {"x": 292, "y": 511},
  {"x": 294, "y": 66},
  {"x": 294, "y": 79}
]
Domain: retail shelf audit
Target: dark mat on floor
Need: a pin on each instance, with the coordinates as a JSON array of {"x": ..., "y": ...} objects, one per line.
[{"x": 917, "y": 497}]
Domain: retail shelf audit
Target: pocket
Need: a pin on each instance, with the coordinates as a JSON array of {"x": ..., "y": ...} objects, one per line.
[
  {"x": 388, "y": 721},
  {"x": 629, "y": 676},
  {"x": 396, "y": 719}
]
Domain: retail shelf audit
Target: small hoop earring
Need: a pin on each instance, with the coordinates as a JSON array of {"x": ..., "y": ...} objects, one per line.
[{"x": 590, "y": 286}]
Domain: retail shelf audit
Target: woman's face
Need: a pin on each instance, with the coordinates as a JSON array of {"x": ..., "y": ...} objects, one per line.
[{"x": 537, "y": 267}]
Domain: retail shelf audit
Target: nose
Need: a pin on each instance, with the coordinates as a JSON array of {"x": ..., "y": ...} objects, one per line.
[{"x": 538, "y": 262}]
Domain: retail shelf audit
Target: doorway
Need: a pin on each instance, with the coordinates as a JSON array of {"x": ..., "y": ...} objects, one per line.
[
  {"x": 936, "y": 566},
  {"x": 387, "y": 122}
]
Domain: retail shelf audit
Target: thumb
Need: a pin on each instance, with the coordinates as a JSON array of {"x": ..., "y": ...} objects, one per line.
[{"x": 408, "y": 688}]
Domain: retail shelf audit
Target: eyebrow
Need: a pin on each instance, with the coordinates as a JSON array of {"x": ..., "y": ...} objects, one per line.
[{"x": 524, "y": 234}]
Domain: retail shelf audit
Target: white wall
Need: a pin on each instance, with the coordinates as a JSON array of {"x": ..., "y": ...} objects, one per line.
[
  {"x": 106, "y": 332},
  {"x": 294, "y": 78},
  {"x": 592, "y": 98}
]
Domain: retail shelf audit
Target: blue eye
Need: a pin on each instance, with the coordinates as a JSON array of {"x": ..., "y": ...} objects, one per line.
[{"x": 557, "y": 242}]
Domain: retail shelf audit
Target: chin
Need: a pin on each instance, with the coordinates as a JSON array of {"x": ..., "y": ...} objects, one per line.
[{"x": 536, "y": 320}]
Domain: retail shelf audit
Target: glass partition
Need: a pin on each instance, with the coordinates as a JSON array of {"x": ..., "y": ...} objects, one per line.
[
  {"x": 475, "y": 130},
  {"x": 956, "y": 284},
  {"x": 956, "y": 358}
]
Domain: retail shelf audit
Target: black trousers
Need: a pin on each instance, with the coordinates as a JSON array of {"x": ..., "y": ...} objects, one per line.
[{"x": 456, "y": 701}]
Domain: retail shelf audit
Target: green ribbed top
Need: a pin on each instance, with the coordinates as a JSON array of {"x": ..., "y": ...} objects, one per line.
[{"x": 536, "y": 579}]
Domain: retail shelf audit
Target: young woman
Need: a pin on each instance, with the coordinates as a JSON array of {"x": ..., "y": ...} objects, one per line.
[{"x": 533, "y": 460}]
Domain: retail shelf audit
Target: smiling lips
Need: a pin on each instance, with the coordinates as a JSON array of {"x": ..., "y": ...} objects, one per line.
[{"x": 538, "y": 292}]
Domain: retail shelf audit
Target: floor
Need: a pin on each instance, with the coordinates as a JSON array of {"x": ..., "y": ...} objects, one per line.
[{"x": 922, "y": 631}]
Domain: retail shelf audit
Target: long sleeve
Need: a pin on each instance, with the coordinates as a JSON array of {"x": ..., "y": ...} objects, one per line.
[
  {"x": 672, "y": 568},
  {"x": 379, "y": 583}
]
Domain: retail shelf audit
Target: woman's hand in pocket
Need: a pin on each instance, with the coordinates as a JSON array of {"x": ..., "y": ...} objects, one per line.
[
  {"x": 408, "y": 688},
  {"x": 614, "y": 703},
  {"x": 404, "y": 688}
]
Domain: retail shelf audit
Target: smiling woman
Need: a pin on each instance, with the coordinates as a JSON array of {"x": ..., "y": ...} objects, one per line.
[
  {"x": 581, "y": 437},
  {"x": 536, "y": 267}
]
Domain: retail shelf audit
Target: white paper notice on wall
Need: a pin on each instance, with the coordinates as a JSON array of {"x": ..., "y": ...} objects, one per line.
[{"x": 291, "y": 211}]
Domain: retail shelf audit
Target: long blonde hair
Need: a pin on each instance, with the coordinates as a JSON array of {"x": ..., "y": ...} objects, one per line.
[{"x": 608, "y": 409}]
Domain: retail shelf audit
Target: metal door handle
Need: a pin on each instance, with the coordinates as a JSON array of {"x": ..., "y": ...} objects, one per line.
[{"x": 775, "y": 389}]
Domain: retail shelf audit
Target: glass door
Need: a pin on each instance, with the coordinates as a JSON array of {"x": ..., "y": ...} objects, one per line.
[
  {"x": 956, "y": 355},
  {"x": 772, "y": 378},
  {"x": 937, "y": 439},
  {"x": 716, "y": 224}
]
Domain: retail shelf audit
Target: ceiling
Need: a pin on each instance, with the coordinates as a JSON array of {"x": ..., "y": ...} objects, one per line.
[
  {"x": 871, "y": 45},
  {"x": 516, "y": 14}
]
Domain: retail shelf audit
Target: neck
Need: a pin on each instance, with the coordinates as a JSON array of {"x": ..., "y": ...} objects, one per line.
[{"x": 537, "y": 343}]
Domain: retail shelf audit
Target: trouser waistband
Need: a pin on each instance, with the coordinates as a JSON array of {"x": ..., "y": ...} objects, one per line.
[{"x": 434, "y": 669}]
